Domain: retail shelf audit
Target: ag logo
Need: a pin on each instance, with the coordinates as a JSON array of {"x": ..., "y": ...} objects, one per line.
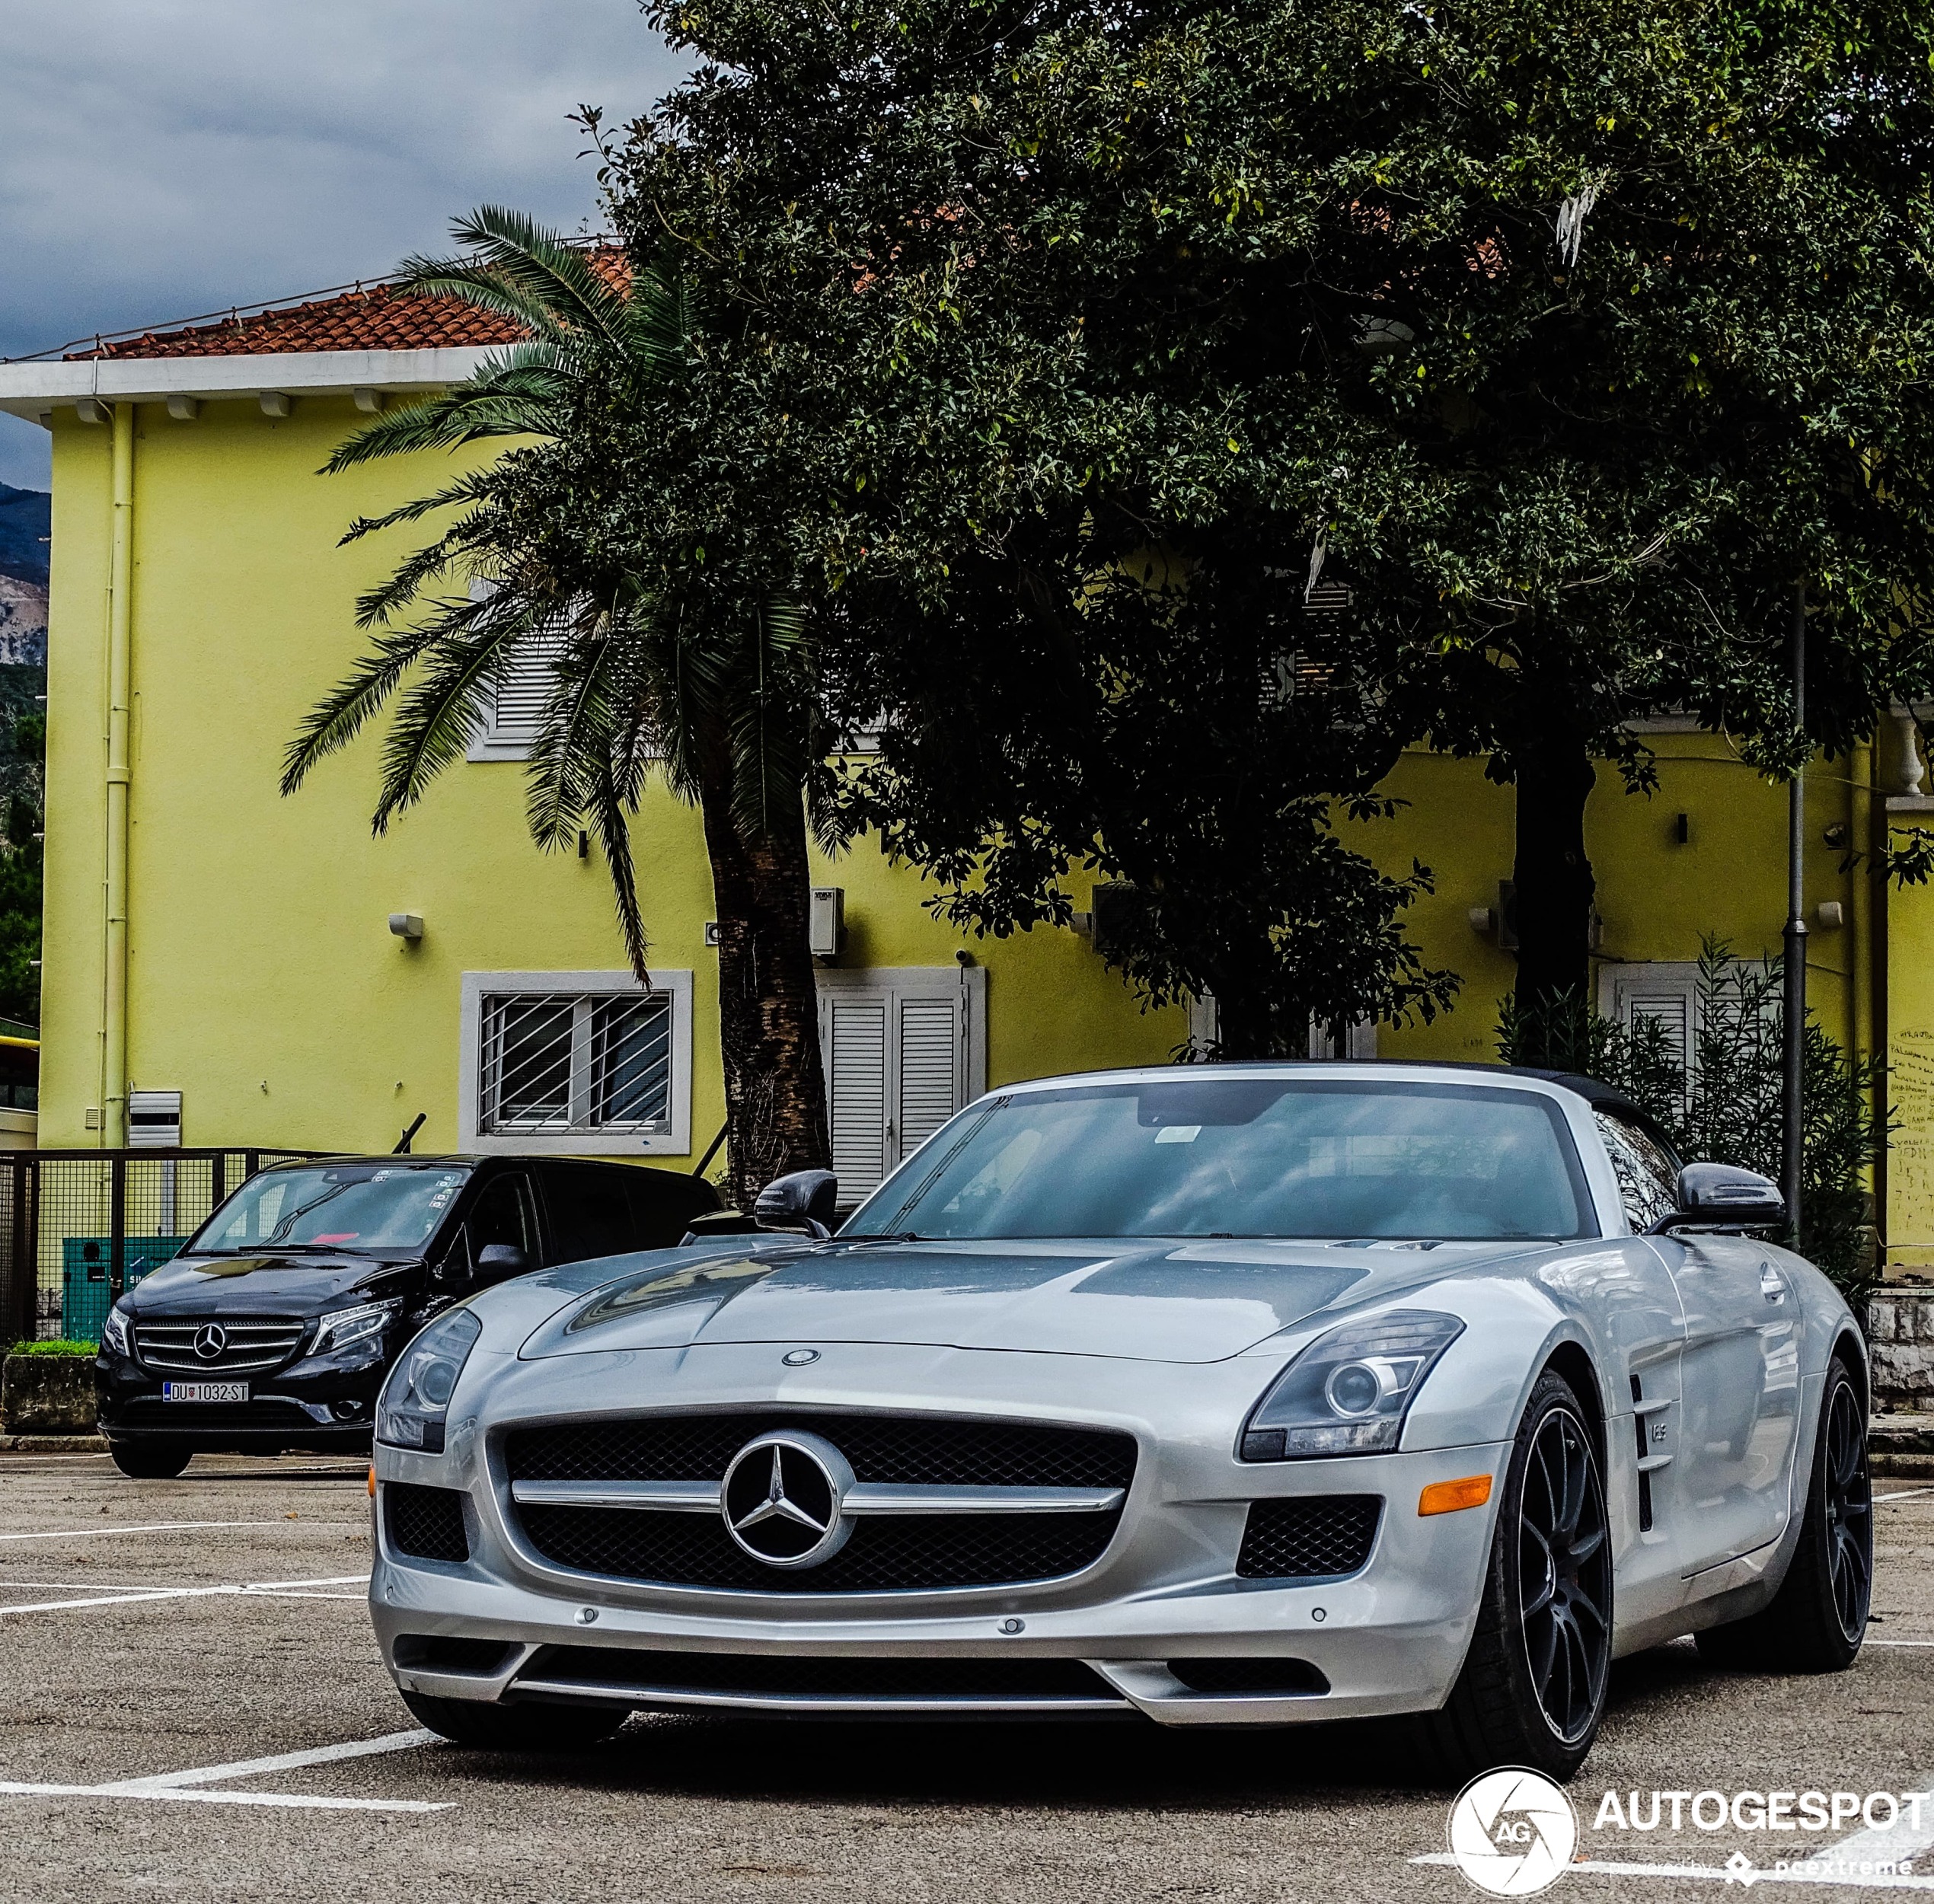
[{"x": 1512, "y": 1833}]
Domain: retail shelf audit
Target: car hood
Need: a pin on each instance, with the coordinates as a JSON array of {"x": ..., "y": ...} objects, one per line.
[
  {"x": 1157, "y": 1302},
  {"x": 283, "y": 1284}
]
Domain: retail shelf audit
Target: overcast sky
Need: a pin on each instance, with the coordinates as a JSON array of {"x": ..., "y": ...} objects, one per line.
[{"x": 160, "y": 158}]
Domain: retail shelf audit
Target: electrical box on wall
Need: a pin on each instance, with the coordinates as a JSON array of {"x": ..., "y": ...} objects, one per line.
[{"x": 825, "y": 921}]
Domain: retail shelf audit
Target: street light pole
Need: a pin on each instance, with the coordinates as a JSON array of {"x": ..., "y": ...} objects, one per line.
[{"x": 1793, "y": 1153}]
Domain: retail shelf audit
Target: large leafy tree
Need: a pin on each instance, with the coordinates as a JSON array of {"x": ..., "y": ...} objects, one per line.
[
  {"x": 596, "y": 550},
  {"x": 1573, "y": 336}
]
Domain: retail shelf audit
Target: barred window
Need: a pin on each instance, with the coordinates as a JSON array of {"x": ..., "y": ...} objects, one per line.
[
  {"x": 576, "y": 1062},
  {"x": 553, "y": 1061}
]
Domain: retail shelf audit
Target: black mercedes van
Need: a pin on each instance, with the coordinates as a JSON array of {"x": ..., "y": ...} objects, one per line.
[{"x": 274, "y": 1327}]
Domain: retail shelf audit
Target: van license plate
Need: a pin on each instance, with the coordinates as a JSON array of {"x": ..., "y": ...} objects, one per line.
[{"x": 204, "y": 1391}]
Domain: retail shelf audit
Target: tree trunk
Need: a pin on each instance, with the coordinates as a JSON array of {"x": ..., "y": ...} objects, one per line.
[
  {"x": 1552, "y": 875},
  {"x": 768, "y": 1002}
]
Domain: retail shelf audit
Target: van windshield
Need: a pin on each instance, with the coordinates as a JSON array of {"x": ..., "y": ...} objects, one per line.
[
  {"x": 364, "y": 1208},
  {"x": 1245, "y": 1156}
]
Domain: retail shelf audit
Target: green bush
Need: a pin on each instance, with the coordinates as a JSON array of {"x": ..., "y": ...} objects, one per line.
[
  {"x": 54, "y": 1348},
  {"x": 1729, "y": 1106}
]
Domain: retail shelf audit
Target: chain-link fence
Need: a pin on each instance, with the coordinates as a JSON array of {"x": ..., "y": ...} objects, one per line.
[{"x": 78, "y": 1227}]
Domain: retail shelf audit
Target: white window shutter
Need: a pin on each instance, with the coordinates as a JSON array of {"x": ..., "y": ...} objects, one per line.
[
  {"x": 904, "y": 1049},
  {"x": 1665, "y": 991},
  {"x": 852, "y": 1044},
  {"x": 930, "y": 1053}
]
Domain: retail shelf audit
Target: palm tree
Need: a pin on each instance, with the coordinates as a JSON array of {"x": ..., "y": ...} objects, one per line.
[{"x": 651, "y": 663}]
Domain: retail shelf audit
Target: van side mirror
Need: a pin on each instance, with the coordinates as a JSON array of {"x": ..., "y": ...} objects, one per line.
[
  {"x": 498, "y": 1262},
  {"x": 807, "y": 1200},
  {"x": 1718, "y": 1196}
]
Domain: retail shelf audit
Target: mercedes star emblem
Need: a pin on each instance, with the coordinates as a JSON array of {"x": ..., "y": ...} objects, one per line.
[
  {"x": 784, "y": 1496},
  {"x": 210, "y": 1340}
]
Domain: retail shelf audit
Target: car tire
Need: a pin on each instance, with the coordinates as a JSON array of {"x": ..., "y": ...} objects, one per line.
[
  {"x": 524, "y": 1727},
  {"x": 1533, "y": 1688},
  {"x": 1817, "y": 1619},
  {"x": 149, "y": 1460}
]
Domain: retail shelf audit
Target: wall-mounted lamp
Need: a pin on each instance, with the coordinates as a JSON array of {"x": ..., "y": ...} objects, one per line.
[
  {"x": 1830, "y": 915},
  {"x": 406, "y": 925}
]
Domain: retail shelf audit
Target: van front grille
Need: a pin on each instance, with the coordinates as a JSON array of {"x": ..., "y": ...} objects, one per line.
[{"x": 217, "y": 1345}]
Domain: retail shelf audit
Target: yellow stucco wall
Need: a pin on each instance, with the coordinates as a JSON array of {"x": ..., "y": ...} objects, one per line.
[
  {"x": 264, "y": 981},
  {"x": 264, "y": 984}
]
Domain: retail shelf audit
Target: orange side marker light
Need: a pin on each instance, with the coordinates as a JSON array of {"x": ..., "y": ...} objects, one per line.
[
  {"x": 1447, "y": 1497},
  {"x": 372, "y": 1481}
]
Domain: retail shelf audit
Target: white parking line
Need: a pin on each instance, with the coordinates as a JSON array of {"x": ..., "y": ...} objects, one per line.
[
  {"x": 1906, "y": 1494},
  {"x": 281, "y": 1762},
  {"x": 189, "y": 1787},
  {"x": 152, "y": 1527},
  {"x": 282, "y": 1589}
]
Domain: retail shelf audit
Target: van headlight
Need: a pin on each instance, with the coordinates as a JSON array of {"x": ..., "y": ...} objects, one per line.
[
  {"x": 415, "y": 1402},
  {"x": 1348, "y": 1392},
  {"x": 114, "y": 1331},
  {"x": 341, "y": 1327}
]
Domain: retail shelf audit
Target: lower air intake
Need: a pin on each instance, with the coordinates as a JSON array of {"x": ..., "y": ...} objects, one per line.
[
  {"x": 1251, "y": 1678},
  {"x": 1315, "y": 1537},
  {"x": 425, "y": 1523}
]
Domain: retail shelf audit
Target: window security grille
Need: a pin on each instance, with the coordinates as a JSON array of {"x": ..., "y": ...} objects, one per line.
[{"x": 562, "y": 1061}]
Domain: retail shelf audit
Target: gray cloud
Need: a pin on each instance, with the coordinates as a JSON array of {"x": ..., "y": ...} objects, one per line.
[{"x": 161, "y": 158}]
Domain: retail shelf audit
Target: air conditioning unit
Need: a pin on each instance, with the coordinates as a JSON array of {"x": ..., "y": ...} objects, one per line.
[{"x": 825, "y": 921}]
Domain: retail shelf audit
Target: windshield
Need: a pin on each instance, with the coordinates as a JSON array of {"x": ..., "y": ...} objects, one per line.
[
  {"x": 1245, "y": 1156},
  {"x": 362, "y": 1207}
]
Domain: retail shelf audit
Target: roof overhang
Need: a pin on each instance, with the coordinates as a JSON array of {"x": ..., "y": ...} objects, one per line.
[{"x": 34, "y": 390}]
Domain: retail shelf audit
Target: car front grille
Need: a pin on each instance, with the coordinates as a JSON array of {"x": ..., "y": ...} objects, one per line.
[
  {"x": 248, "y": 1343},
  {"x": 1317, "y": 1537},
  {"x": 427, "y": 1523},
  {"x": 886, "y": 1553},
  {"x": 779, "y": 1678},
  {"x": 908, "y": 1449}
]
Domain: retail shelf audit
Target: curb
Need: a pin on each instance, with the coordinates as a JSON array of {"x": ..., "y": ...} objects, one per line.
[{"x": 53, "y": 1444}]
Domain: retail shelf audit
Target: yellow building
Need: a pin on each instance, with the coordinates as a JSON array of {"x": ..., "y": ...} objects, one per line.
[{"x": 299, "y": 983}]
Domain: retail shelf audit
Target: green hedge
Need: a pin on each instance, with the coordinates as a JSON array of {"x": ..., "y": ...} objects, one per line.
[{"x": 54, "y": 1348}]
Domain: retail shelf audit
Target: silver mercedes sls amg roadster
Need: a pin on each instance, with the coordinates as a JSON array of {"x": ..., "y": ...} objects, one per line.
[{"x": 1245, "y": 1395}]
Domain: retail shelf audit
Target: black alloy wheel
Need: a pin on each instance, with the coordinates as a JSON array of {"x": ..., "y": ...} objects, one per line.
[
  {"x": 1565, "y": 1576},
  {"x": 1849, "y": 1506},
  {"x": 1532, "y": 1690}
]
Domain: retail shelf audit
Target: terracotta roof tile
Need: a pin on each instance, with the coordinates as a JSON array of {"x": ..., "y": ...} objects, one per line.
[{"x": 379, "y": 318}]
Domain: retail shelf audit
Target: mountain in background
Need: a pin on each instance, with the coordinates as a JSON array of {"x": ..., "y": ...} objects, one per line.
[{"x": 24, "y": 518}]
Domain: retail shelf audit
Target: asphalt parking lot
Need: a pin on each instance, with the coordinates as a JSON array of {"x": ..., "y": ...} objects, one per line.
[{"x": 193, "y": 1708}]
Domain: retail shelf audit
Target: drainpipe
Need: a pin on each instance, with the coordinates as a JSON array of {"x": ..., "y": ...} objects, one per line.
[{"x": 121, "y": 642}]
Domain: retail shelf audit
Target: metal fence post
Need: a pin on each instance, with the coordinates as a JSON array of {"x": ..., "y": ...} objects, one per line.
[
  {"x": 26, "y": 1263},
  {"x": 218, "y": 1180},
  {"x": 117, "y": 1227}
]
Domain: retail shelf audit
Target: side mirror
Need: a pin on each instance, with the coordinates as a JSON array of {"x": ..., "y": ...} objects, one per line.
[
  {"x": 497, "y": 1262},
  {"x": 1717, "y": 1196},
  {"x": 805, "y": 1199}
]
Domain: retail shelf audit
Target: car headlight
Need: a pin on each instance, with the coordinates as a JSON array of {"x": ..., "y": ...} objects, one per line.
[
  {"x": 342, "y": 1326},
  {"x": 415, "y": 1401},
  {"x": 114, "y": 1331},
  {"x": 1348, "y": 1392}
]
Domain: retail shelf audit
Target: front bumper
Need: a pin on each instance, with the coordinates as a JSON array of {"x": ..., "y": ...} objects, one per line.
[
  {"x": 317, "y": 1402},
  {"x": 1390, "y": 1638}
]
